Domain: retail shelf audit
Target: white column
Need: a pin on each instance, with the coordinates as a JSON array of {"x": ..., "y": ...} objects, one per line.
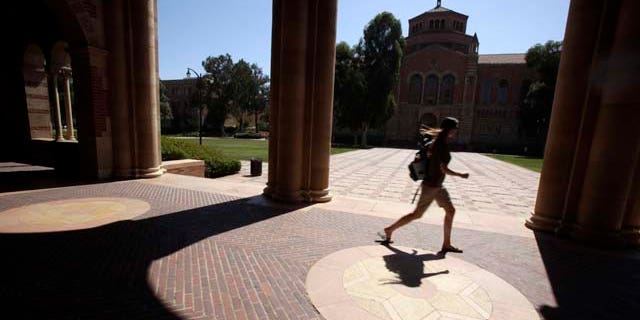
[
  {"x": 56, "y": 104},
  {"x": 66, "y": 75}
]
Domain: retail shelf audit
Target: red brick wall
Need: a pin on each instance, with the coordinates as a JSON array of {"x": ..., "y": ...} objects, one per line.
[{"x": 187, "y": 167}]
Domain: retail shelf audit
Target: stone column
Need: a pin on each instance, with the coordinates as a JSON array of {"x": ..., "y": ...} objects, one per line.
[
  {"x": 303, "y": 57},
  {"x": 119, "y": 81},
  {"x": 66, "y": 75},
  {"x": 320, "y": 102},
  {"x": 90, "y": 93},
  {"x": 56, "y": 104},
  {"x": 145, "y": 86},
  {"x": 572, "y": 90},
  {"x": 608, "y": 186}
]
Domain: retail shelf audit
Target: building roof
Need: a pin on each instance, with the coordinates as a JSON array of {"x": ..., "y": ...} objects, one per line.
[
  {"x": 440, "y": 9},
  {"x": 506, "y": 58}
]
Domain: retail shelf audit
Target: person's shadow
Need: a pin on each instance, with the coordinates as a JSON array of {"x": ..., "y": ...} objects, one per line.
[{"x": 410, "y": 266}]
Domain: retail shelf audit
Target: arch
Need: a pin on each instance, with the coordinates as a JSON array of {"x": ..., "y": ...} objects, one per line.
[
  {"x": 446, "y": 89},
  {"x": 437, "y": 24},
  {"x": 60, "y": 55},
  {"x": 503, "y": 92},
  {"x": 415, "y": 89},
  {"x": 431, "y": 90}
]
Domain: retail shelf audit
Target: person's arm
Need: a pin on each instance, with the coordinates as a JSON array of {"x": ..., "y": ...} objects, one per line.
[{"x": 445, "y": 168}]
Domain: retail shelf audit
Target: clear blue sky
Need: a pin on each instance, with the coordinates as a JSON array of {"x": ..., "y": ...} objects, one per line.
[{"x": 191, "y": 30}]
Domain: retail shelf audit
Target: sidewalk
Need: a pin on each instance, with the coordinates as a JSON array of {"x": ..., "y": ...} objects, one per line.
[{"x": 179, "y": 247}]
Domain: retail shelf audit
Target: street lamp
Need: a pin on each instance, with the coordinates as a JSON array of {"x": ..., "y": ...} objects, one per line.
[{"x": 198, "y": 83}]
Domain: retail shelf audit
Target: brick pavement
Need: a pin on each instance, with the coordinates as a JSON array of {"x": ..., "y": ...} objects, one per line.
[
  {"x": 198, "y": 255},
  {"x": 494, "y": 186}
]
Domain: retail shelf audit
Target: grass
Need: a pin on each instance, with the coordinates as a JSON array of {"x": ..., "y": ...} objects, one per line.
[
  {"x": 245, "y": 149},
  {"x": 534, "y": 164}
]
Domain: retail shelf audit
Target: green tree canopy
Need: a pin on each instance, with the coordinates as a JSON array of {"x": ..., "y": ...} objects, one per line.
[
  {"x": 166, "y": 115},
  {"x": 232, "y": 88},
  {"x": 544, "y": 61},
  {"x": 366, "y": 81}
]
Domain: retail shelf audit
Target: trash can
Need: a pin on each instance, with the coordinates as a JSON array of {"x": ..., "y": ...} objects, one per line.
[{"x": 256, "y": 167}]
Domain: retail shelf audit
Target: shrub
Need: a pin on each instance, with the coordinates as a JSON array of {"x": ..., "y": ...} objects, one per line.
[
  {"x": 216, "y": 163},
  {"x": 248, "y": 135}
]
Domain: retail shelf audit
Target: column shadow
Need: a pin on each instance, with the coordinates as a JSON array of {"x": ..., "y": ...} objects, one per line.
[
  {"x": 589, "y": 283},
  {"x": 409, "y": 267},
  {"x": 103, "y": 272}
]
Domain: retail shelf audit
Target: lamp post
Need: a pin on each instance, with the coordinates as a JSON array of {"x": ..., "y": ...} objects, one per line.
[{"x": 198, "y": 83}]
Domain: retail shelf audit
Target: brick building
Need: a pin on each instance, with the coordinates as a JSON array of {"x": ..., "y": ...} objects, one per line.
[
  {"x": 179, "y": 92},
  {"x": 442, "y": 75}
]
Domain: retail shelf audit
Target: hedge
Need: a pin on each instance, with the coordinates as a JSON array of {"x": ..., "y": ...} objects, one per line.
[{"x": 217, "y": 164}]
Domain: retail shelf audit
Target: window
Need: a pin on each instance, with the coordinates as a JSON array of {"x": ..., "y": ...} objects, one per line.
[
  {"x": 430, "y": 24},
  {"x": 487, "y": 86},
  {"x": 415, "y": 89},
  {"x": 446, "y": 90},
  {"x": 503, "y": 92},
  {"x": 431, "y": 90},
  {"x": 442, "y": 24},
  {"x": 437, "y": 24}
]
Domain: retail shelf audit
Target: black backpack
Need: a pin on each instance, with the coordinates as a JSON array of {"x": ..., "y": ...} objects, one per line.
[{"x": 419, "y": 167}]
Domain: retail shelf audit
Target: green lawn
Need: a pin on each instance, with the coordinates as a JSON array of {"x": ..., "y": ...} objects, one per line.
[
  {"x": 530, "y": 163},
  {"x": 244, "y": 149}
]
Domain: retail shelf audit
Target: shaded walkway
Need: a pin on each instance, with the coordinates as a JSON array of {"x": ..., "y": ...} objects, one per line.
[{"x": 208, "y": 255}]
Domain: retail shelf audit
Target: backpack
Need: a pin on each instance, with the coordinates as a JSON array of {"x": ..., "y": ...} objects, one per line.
[{"x": 419, "y": 167}]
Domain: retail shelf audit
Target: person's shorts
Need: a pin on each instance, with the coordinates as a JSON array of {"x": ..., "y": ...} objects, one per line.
[{"x": 428, "y": 194}]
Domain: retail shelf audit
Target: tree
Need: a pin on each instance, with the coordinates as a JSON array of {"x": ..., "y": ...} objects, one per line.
[
  {"x": 544, "y": 61},
  {"x": 233, "y": 88},
  {"x": 166, "y": 115},
  {"x": 349, "y": 90},
  {"x": 376, "y": 67},
  {"x": 218, "y": 90},
  {"x": 260, "y": 90}
]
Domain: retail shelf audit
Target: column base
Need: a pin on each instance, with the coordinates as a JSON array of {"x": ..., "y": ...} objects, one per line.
[
  {"x": 597, "y": 238},
  {"x": 148, "y": 173},
  {"x": 541, "y": 223},
  {"x": 318, "y": 196}
]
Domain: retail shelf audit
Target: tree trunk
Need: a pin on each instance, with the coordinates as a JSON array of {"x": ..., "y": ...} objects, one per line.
[
  {"x": 255, "y": 117},
  {"x": 222, "y": 133},
  {"x": 363, "y": 141},
  {"x": 355, "y": 139},
  {"x": 242, "y": 122}
]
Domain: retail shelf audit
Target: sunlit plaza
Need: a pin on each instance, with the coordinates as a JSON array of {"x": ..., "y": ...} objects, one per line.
[{"x": 103, "y": 215}]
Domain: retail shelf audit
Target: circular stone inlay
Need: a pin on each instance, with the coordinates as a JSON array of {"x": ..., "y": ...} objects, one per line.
[
  {"x": 70, "y": 214},
  {"x": 376, "y": 282}
]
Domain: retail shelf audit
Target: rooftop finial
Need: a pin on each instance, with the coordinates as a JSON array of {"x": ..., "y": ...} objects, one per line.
[{"x": 439, "y": 3}]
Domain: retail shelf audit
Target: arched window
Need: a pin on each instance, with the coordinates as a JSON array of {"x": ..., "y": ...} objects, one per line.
[
  {"x": 442, "y": 24},
  {"x": 503, "y": 92},
  {"x": 431, "y": 90},
  {"x": 446, "y": 90},
  {"x": 487, "y": 86},
  {"x": 437, "y": 24},
  {"x": 415, "y": 89},
  {"x": 430, "y": 24}
]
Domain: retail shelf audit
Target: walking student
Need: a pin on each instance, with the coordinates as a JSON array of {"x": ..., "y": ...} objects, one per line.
[{"x": 432, "y": 188}]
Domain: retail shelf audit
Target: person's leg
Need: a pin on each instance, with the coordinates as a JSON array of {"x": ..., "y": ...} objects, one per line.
[
  {"x": 426, "y": 197},
  {"x": 444, "y": 200}
]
